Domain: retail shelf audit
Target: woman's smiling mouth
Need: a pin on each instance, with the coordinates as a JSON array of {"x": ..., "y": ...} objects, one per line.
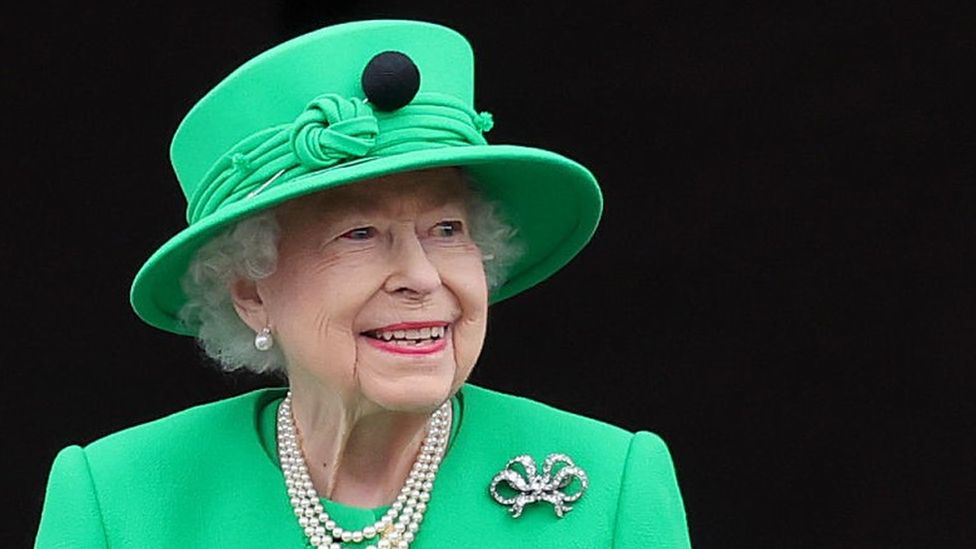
[{"x": 410, "y": 338}]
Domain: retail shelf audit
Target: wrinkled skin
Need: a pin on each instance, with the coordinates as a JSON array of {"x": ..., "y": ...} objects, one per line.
[{"x": 360, "y": 257}]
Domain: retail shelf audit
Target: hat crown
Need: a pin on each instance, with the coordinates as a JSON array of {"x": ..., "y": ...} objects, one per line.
[{"x": 276, "y": 86}]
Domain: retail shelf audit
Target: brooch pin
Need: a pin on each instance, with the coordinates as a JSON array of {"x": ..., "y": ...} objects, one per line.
[{"x": 558, "y": 473}]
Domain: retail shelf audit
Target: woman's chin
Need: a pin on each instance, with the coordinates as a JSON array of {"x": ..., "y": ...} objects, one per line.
[{"x": 420, "y": 395}]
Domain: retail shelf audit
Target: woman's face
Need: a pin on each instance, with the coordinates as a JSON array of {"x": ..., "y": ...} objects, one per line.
[{"x": 380, "y": 293}]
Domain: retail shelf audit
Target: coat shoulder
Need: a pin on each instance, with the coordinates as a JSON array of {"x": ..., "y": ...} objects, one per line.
[
  {"x": 632, "y": 499},
  {"x": 513, "y": 411},
  {"x": 135, "y": 487},
  {"x": 508, "y": 423},
  {"x": 225, "y": 424}
]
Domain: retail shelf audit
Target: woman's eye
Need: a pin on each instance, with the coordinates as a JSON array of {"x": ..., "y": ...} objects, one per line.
[
  {"x": 446, "y": 229},
  {"x": 360, "y": 233}
]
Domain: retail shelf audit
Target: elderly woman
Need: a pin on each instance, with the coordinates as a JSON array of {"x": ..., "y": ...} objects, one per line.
[{"x": 354, "y": 250}]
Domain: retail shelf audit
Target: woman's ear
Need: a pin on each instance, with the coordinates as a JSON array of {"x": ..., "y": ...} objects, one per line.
[{"x": 248, "y": 303}]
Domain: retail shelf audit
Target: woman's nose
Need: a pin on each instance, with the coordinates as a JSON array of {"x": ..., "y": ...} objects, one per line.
[{"x": 413, "y": 273}]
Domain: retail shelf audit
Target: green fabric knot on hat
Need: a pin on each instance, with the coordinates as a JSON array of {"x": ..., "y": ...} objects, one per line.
[
  {"x": 331, "y": 129},
  {"x": 484, "y": 121}
]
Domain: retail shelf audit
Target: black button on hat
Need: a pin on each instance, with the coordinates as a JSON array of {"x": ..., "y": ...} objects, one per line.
[{"x": 390, "y": 80}]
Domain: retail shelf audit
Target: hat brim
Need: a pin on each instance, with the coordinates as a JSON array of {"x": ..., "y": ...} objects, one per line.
[{"x": 553, "y": 202}]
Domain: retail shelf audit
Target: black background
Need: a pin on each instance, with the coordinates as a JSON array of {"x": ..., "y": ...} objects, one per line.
[{"x": 783, "y": 285}]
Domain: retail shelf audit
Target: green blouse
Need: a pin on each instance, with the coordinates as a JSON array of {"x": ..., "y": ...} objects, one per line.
[{"x": 209, "y": 477}]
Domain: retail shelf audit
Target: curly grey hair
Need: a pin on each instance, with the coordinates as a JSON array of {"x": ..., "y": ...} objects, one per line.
[{"x": 248, "y": 250}]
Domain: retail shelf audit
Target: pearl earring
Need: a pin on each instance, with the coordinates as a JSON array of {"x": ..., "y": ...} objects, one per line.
[{"x": 263, "y": 340}]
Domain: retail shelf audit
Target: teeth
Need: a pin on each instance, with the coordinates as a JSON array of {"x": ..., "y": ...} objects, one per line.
[{"x": 419, "y": 334}]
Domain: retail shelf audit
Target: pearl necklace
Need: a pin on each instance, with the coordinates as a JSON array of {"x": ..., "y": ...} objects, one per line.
[{"x": 399, "y": 525}]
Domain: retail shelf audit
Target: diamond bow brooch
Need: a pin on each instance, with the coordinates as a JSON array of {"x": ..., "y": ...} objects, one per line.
[{"x": 525, "y": 486}]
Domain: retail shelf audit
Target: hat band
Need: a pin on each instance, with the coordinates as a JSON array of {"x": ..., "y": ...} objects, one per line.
[{"x": 331, "y": 131}]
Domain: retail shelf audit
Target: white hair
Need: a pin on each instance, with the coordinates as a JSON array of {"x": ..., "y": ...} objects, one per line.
[{"x": 249, "y": 250}]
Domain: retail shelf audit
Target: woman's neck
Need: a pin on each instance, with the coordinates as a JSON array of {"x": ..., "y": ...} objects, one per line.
[{"x": 356, "y": 456}]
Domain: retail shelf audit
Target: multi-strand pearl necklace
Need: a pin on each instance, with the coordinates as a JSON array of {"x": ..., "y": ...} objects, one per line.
[{"x": 399, "y": 525}]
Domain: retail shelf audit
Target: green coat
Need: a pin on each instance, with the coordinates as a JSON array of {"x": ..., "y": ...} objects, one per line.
[{"x": 209, "y": 477}]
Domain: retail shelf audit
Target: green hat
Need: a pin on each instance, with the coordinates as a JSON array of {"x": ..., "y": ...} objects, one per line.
[{"x": 353, "y": 102}]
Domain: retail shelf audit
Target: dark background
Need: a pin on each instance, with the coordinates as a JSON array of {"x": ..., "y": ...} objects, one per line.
[{"x": 783, "y": 286}]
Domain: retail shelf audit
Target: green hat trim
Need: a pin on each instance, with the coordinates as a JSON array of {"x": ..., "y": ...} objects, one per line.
[{"x": 295, "y": 120}]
